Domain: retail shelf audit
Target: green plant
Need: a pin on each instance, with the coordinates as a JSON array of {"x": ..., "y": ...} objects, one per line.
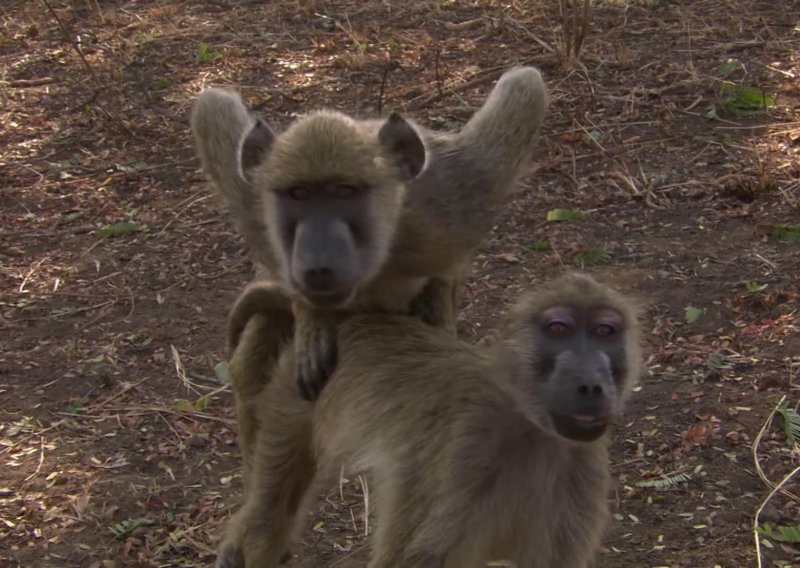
[
  {"x": 121, "y": 228},
  {"x": 790, "y": 534},
  {"x": 739, "y": 100},
  {"x": 127, "y": 527},
  {"x": 791, "y": 423},
  {"x": 539, "y": 245},
  {"x": 204, "y": 54},
  {"x": 564, "y": 215},
  {"x": 692, "y": 314},
  {"x": 753, "y": 286},
  {"x": 665, "y": 482},
  {"x": 593, "y": 257},
  {"x": 791, "y": 234}
]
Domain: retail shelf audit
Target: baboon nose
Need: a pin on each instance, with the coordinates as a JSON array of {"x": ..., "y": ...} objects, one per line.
[
  {"x": 590, "y": 390},
  {"x": 320, "y": 280}
]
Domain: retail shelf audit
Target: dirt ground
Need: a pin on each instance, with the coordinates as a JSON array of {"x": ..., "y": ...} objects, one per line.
[{"x": 117, "y": 266}]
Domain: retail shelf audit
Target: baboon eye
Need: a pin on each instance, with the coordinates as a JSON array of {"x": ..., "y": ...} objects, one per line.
[
  {"x": 558, "y": 329},
  {"x": 299, "y": 193},
  {"x": 604, "y": 330},
  {"x": 344, "y": 191}
]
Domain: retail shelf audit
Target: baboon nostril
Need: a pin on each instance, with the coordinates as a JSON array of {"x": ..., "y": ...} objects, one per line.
[
  {"x": 319, "y": 279},
  {"x": 590, "y": 390}
]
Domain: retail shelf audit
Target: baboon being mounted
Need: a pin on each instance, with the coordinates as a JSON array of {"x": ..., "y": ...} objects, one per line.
[
  {"x": 473, "y": 453},
  {"x": 354, "y": 215}
]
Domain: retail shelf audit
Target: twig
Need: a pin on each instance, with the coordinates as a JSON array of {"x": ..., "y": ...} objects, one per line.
[
  {"x": 772, "y": 493},
  {"x": 25, "y": 83},
  {"x": 757, "y": 441},
  {"x": 68, "y": 37}
]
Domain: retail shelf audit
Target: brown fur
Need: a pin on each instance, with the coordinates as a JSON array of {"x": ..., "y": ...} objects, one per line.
[
  {"x": 425, "y": 227},
  {"x": 465, "y": 466}
]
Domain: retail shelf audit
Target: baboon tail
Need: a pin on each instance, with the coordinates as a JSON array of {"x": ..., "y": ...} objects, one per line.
[
  {"x": 219, "y": 121},
  {"x": 505, "y": 130}
]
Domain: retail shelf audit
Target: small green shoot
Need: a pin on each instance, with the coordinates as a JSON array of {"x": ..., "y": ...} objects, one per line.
[
  {"x": 790, "y": 534},
  {"x": 738, "y": 101},
  {"x": 539, "y": 245},
  {"x": 717, "y": 361},
  {"x": 121, "y": 228},
  {"x": 564, "y": 215},
  {"x": 791, "y": 234},
  {"x": 593, "y": 257},
  {"x": 692, "y": 314},
  {"x": 666, "y": 482},
  {"x": 161, "y": 84},
  {"x": 127, "y": 527},
  {"x": 791, "y": 423},
  {"x": 753, "y": 286},
  {"x": 200, "y": 404},
  {"x": 726, "y": 69},
  {"x": 205, "y": 55},
  {"x": 223, "y": 371},
  {"x": 75, "y": 405}
]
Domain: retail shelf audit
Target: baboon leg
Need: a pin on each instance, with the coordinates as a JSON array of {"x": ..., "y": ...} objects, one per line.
[
  {"x": 260, "y": 325},
  {"x": 282, "y": 470}
]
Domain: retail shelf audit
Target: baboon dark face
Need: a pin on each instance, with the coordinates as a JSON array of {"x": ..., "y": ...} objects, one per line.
[
  {"x": 325, "y": 229},
  {"x": 581, "y": 360},
  {"x": 333, "y": 190}
]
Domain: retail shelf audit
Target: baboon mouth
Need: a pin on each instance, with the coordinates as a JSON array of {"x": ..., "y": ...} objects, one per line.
[
  {"x": 327, "y": 299},
  {"x": 580, "y": 427}
]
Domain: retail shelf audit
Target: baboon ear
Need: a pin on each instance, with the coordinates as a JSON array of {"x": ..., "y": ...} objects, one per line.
[
  {"x": 399, "y": 139},
  {"x": 254, "y": 146}
]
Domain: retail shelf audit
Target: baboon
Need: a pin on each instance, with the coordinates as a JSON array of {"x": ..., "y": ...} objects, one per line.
[
  {"x": 474, "y": 453},
  {"x": 357, "y": 215}
]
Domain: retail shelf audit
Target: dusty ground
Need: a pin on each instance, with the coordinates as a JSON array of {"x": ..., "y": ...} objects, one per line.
[{"x": 113, "y": 455}]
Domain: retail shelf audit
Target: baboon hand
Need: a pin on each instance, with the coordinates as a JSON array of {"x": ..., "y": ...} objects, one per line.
[{"x": 316, "y": 360}]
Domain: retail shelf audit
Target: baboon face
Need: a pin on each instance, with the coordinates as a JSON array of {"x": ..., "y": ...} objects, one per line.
[
  {"x": 333, "y": 191},
  {"x": 581, "y": 359}
]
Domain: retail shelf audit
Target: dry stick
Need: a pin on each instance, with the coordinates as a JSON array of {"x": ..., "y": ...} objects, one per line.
[
  {"x": 74, "y": 45},
  {"x": 756, "y": 443},
  {"x": 778, "y": 487}
]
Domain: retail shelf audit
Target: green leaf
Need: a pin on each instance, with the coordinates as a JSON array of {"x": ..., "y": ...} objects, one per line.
[
  {"x": 728, "y": 67},
  {"x": 161, "y": 84},
  {"x": 183, "y": 404},
  {"x": 739, "y": 100},
  {"x": 223, "y": 371},
  {"x": 127, "y": 527},
  {"x": 692, "y": 314},
  {"x": 75, "y": 406},
  {"x": 202, "y": 402},
  {"x": 790, "y": 534},
  {"x": 791, "y": 423},
  {"x": 753, "y": 286},
  {"x": 791, "y": 234},
  {"x": 718, "y": 361},
  {"x": 564, "y": 215},
  {"x": 205, "y": 55},
  {"x": 593, "y": 257},
  {"x": 539, "y": 245},
  {"x": 665, "y": 482},
  {"x": 121, "y": 228}
]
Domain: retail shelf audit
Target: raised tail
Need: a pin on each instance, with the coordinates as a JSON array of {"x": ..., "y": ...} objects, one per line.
[
  {"x": 454, "y": 203},
  {"x": 503, "y": 133},
  {"x": 219, "y": 122}
]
